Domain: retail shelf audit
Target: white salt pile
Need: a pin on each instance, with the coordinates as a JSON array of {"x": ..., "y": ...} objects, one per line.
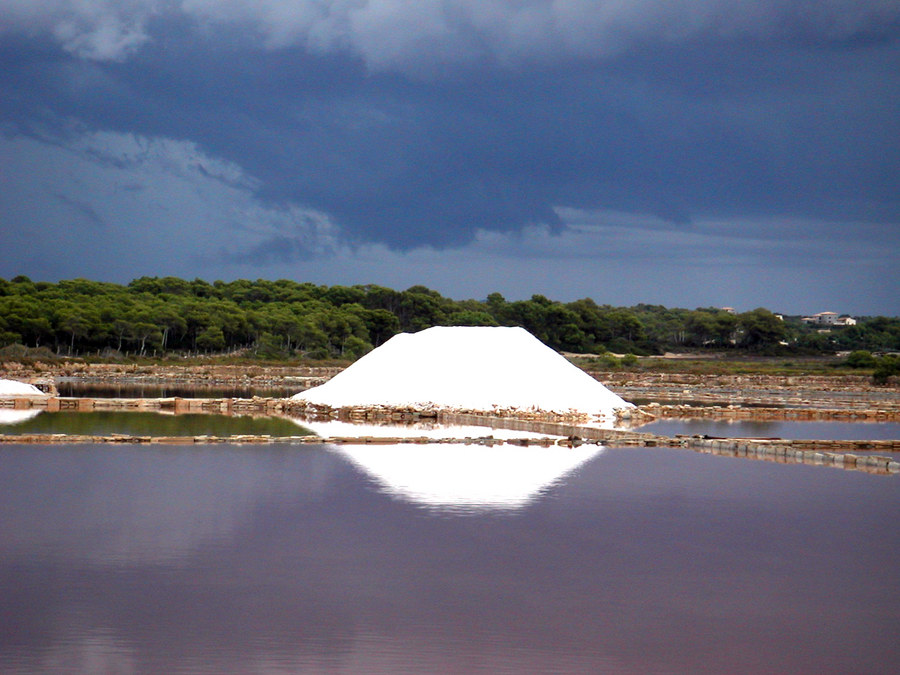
[
  {"x": 471, "y": 368},
  {"x": 14, "y": 388}
]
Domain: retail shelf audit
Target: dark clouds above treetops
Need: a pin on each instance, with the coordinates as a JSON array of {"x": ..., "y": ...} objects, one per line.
[{"x": 265, "y": 136}]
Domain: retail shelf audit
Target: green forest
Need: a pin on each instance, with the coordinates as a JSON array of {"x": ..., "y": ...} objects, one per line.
[{"x": 153, "y": 316}]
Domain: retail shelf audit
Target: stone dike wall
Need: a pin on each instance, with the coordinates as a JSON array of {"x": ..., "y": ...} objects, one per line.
[
  {"x": 807, "y": 391},
  {"x": 796, "y": 390},
  {"x": 302, "y": 377},
  {"x": 760, "y": 414},
  {"x": 557, "y": 429}
]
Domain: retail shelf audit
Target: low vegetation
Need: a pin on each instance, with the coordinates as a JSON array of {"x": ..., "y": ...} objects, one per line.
[
  {"x": 882, "y": 367},
  {"x": 287, "y": 320}
]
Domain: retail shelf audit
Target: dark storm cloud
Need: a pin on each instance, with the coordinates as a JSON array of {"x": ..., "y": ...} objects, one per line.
[
  {"x": 416, "y": 36},
  {"x": 415, "y": 124},
  {"x": 407, "y": 161},
  {"x": 87, "y": 212}
]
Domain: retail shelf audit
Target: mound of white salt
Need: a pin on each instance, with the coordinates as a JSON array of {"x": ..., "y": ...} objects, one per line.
[
  {"x": 473, "y": 368},
  {"x": 15, "y": 388}
]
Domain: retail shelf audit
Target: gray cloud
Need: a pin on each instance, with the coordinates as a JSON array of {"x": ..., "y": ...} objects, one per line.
[
  {"x": 414, "y": 34},
  {"x": 640, "y": 149},
  {"x": 127, "y": 205},
  {"x": 712, "y": 266},
  {"x": 83, "y": 210},
  {"x": 93, "y": 29}
]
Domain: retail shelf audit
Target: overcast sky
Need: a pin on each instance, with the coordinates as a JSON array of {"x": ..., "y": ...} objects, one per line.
[{"x": 687, "y": 153}]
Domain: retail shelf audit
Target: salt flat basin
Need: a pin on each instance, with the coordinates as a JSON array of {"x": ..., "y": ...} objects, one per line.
[
  {"x": 108, "y": 422},
  {"x": 787, "y": 429},
  {"x": 81, "y": 388},
  {"x": 277, "y": 559}
]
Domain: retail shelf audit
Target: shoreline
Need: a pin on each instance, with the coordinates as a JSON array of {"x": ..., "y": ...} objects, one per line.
[
  {"x": 769, "y": 390},
  {"x": 754, "y": 397},
  {"x": 556, "y": 429}
]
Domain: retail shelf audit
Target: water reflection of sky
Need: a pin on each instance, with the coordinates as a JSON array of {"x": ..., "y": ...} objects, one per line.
[
  {"x": 286, "y": 559},
  {"x": 113, "y": 505}
]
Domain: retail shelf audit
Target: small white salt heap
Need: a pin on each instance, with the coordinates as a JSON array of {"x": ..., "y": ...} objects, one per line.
[
  {"x": 471, "y": 368},
  {"x": 14, "y": 388}
]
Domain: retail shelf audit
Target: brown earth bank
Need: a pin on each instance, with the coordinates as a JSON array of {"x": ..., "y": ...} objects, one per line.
[
  {"x": 814, "y": 391},
  {"x": 837, "y": 454},
  {"x": 659, "y": 395},
  {"x": 852, "y": 392},
  {"x": 212, "y": 375}
]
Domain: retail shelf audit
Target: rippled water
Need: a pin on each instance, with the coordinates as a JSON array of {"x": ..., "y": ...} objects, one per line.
[{"x": 266, "y": 559}]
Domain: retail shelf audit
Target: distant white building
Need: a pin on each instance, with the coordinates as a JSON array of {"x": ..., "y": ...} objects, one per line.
[
  {"x": 728, "y": 310},
  {"x": 830, "y": 319}
]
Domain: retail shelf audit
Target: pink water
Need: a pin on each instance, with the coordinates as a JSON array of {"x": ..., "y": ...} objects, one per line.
[{"x": 294, "y": 560}]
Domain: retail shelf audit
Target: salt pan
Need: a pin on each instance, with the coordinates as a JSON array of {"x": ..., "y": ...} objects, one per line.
[{"x": 465, "y": 367}]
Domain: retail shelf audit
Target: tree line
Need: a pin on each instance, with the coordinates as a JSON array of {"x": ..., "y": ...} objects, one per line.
[{"x": 278, "y": 319}]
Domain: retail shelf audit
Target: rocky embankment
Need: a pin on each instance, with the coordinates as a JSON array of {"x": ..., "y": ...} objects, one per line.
[
  {"x": 735, "y": 395},
  {"x": 660, "y": 395},
  {"x": 838, "y": 392},
  {"x": 254, "y": 376}
]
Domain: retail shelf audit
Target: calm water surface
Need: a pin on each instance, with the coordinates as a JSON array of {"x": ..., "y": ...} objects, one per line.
[
  {"x": 79, "y": 388},
  {"x": 101, "y": 423},
  {"x": 162, "y": 424},
  {"x": 269, "y": 559},
  {"x": 815, "y": 430}
]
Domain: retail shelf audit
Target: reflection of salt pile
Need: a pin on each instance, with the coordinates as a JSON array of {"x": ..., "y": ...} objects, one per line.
[
  {"x": 14, "y": 388},
  {"x": 472, "y": 368},
  {"x": 18, "y": 416},
  {"x": 464, "y": 477}
]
